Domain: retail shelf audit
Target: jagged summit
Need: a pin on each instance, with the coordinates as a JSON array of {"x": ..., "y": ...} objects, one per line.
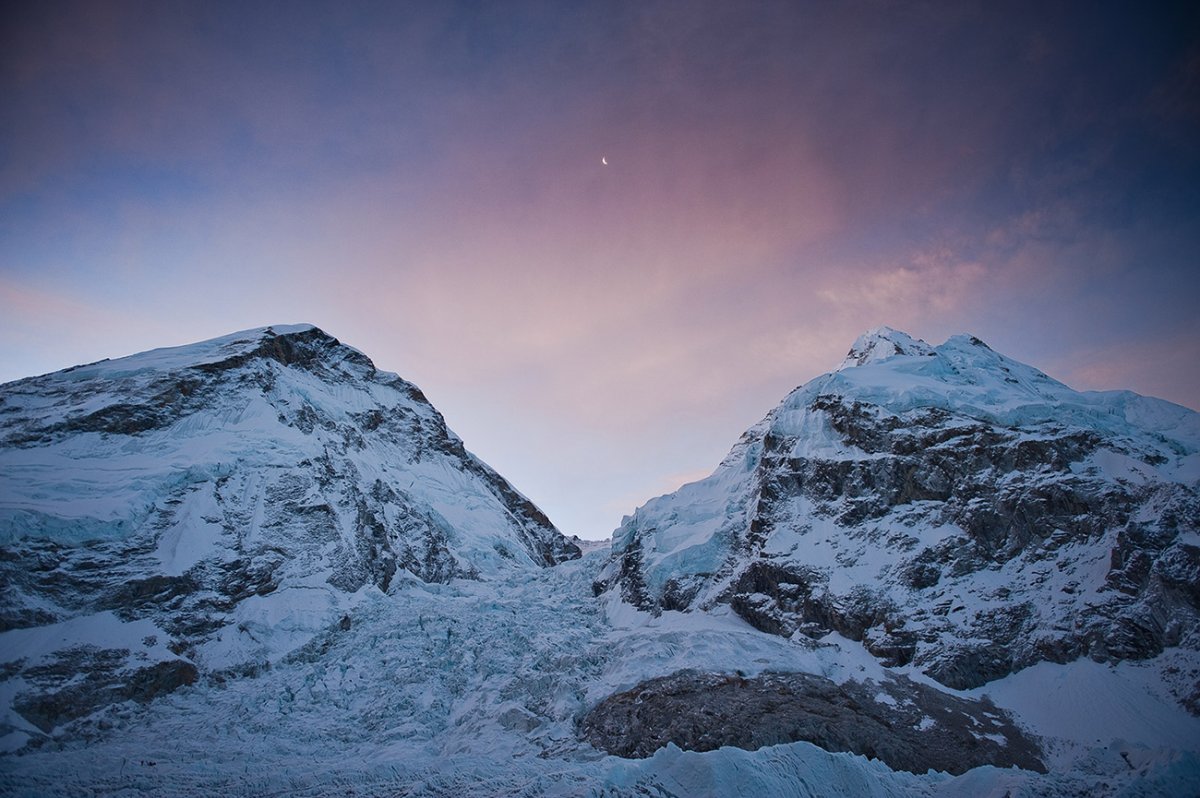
[
  {"x": 950, "y": 507},
  {"x": 243, "y": 342},
  {"x": 163, "y": 385},
  {"x": 881, "y": 343},
  {"x": 892, "y": 369}
]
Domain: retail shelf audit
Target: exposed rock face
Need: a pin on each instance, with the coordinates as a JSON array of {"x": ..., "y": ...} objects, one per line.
[
  {"x": 80, "y": 680},
  {"x": 948, "y": 507},
  {"x": 904, "y": 724},
  {"x": 228, "y": 500}
]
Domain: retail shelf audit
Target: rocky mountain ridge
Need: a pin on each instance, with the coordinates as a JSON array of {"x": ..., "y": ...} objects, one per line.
[
  {"x": 257, "y": 565},
  {"x": 209, "y": 508},
  {"x": 948, "y": 507}
]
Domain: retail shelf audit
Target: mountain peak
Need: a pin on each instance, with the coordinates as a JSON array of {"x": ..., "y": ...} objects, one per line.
[
  {"x": 881, "y": 343},
  {"x": 897, "y": 491},
  {"x": 289, "y": 344},
  {"x": 252, "y": 471}
]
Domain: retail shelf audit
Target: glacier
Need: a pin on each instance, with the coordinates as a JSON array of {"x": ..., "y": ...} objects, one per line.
[{"x": 257, "y": 565}]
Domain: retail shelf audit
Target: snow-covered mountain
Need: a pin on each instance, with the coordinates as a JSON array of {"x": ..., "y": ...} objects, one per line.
[
  {"x": 206, "y": 509},
  {"x": 950, "y": 508},
  {"x": 256, "y": 565}
]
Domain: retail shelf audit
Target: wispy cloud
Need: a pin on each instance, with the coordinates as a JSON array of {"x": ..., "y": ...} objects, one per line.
[{"x": 425, "y": 182}]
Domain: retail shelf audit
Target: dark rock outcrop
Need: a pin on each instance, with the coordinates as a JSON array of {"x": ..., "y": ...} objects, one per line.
[
  {"x": 906, "y": 725},
  {"x": 78, "y": 681}
]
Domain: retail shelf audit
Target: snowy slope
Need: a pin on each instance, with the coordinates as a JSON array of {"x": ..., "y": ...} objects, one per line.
[
  {"x": 313, "y": 670},
  {"x": 212, "y": 507},
  {"x": 474, "y": 688},
  {"x": 949, "y": 507}
]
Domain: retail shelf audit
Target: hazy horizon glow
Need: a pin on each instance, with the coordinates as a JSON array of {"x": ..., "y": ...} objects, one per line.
[{"x": 424, "y": 181}]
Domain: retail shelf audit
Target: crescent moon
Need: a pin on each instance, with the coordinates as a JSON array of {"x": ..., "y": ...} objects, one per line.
[{"x": 604, "y": 160}]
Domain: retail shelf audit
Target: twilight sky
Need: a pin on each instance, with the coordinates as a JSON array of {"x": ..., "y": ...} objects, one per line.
[{"x": 423, "y": 180}]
